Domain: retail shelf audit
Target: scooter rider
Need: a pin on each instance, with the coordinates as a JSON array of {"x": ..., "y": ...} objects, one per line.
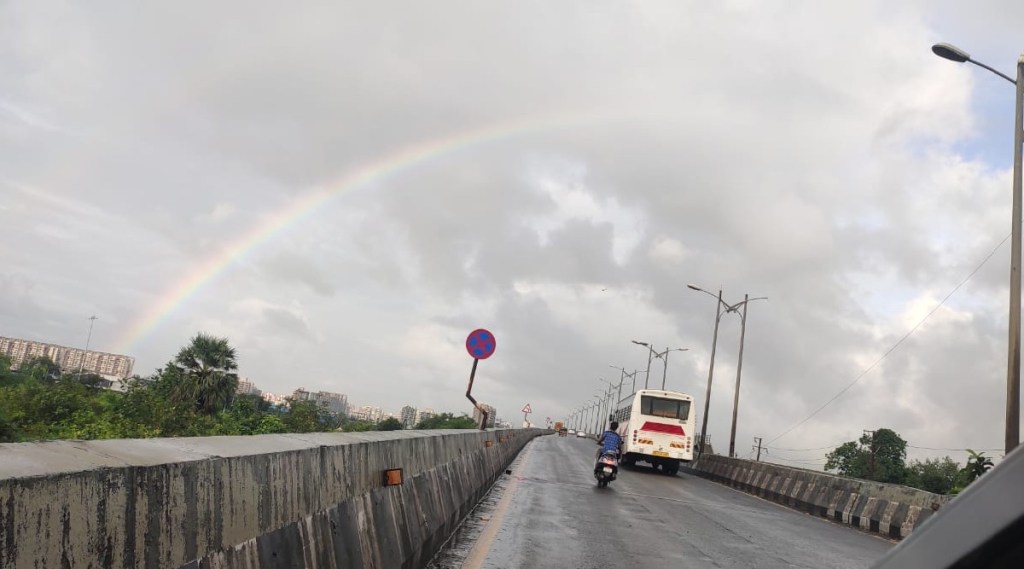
[{"x": 610, "y": 440}]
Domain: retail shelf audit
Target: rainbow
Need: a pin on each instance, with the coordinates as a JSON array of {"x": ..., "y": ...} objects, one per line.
[{"x": 403, "y": 160}]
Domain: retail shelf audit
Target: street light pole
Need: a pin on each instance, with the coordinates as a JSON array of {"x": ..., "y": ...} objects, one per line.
[
  {"x": 650, "y": 355},
  {"x": 664, "y": 371},
  {"x": 1013, "y": 375},
  {"x": 739, "y": 369},
  {"x": 88, "y": 339},
  {"x": 622, "y": 376},
  {"x": 711, "y": 369},
  {"x": 1012, "y": 434}
]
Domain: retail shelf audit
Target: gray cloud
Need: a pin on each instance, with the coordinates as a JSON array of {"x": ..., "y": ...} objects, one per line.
[{"x": 812, "y": 154}]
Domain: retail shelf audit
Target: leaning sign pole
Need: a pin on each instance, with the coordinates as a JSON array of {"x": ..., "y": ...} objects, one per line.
[{"x": 480, "y": 344}]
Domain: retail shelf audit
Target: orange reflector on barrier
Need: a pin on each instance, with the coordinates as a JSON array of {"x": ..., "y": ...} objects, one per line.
[{"x": 393, "y": 477}]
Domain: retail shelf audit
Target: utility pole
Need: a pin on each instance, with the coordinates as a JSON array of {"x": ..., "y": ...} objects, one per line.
[
  {"x": 81, "y": 363},
  {"x": 758, "y": 439},
  {"x": 739, "y": 368},
  {"x": 871, "y": 464}
]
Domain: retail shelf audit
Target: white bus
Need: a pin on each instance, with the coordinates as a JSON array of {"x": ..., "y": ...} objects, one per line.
[{"x": 656, "y": 427}]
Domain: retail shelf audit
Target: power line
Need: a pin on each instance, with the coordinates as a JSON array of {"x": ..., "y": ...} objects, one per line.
[
  {"x": 830, "y": 447},
  {"x": 798, "y": 460},
  {"x": 954, "y": 449},
  {"x": 896, "y": 345},
  {"x": 804, "y": 460}
]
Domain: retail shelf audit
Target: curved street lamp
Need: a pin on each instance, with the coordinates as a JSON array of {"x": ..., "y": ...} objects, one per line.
[
  {"x": 650, "y": 354},
  {"x": 734, "y": 308},
  {"x": 664, "y": 355},
  {"x": 953, "y": 53}
]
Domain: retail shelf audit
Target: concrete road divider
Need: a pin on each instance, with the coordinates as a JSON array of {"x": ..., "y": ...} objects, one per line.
[
  {"x": 887, "y": 509},
  {"x": 265, "y": 501}
]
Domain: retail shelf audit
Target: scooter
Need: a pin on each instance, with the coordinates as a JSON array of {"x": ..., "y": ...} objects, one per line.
[{"x": 606, "y": 469}]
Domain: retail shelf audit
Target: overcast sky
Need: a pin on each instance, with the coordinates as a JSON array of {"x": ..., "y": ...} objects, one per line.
[{"x": 556, "y": 172}]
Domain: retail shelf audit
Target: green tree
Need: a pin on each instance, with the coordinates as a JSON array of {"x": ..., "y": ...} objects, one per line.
[
  {"x": 247, "y": 413},
  {"x": 389, "y": 424},
  {"x": 358, "y": 426},
  {"x": 447, "y": 421},
  {"x": 208, "y": 379},
  {"x": 848, "y": 459},
  {"x": 272, "y": 423},
  {"x": 5, "y": 367},
  {"x": 302, "y": 417},
  {"x": 40, "y": 368},
  {"x": 879, "y": 456},
  {"x": 939, "y": 475},
  {"x": 7, "y": 432},
  {"x": 977, "y": 464},
  {"x": 87, "y": 379},
  {"x": 148, "y": 406}
]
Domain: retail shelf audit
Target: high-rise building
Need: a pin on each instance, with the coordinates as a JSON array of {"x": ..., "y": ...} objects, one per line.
[
  {"x": 367, "y": 413},
  {"x": 69, "y": 360},
  {"x": 279, "y": 400},
  {"x": 408, "y": 417},
  {"x": 424, "y": 414},
  {"x": 334, "y": 402},
  {"x": 247, "y": 387},
  {"x": 491, "y": 415}
]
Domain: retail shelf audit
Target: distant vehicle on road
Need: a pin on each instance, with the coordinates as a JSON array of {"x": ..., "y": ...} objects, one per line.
[
  {"x": 580, "y": 434},
  {"x": 560, "y": 428},
  {"x": 656, "y": 427},
  {"x": 572, "y": 431}
]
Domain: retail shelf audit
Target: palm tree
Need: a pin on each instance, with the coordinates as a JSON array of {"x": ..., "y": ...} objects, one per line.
[
  {"x": 977, "y": 465},
  {"x": 207, "y": 366}
]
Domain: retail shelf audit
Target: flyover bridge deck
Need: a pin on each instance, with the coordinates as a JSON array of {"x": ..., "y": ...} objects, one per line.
[{"x": 553, "y": 515}]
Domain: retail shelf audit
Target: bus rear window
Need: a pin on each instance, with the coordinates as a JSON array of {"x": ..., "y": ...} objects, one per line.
[{"x": 667, "y": 408}]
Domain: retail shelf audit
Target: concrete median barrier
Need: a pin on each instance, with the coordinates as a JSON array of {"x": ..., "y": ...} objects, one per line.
[
  {"x": 266, "y": 501},
  {"x": 888, "y": 509}
]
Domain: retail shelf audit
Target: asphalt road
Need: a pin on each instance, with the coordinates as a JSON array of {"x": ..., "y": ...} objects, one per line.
[{"x": 551, "y": 514}]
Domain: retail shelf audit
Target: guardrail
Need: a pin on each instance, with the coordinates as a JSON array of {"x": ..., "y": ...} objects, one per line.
[{"x": 887, "y": 509}]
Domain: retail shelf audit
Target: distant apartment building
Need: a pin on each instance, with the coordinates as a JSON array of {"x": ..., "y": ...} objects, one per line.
[
  {"x": 247, "y": 387},
  {"x": 424, "y": 414},
  {"x": 367, "y": 413},
  {"x": 279, "y": 400},
  {"x": 491, "y": 415},
  {"x": 408, "y": 417},
  {"x": 334, "y": 402},
  {"x": 108, "y": 366}
]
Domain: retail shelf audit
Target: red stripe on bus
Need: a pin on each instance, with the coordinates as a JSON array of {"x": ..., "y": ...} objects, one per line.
[{"x": 663, "y": 428}]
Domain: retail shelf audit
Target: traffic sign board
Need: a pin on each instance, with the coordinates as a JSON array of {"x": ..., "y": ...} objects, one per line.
[
  {"x": 481, "y": 344},
  {"x": 527, "y": 409}
]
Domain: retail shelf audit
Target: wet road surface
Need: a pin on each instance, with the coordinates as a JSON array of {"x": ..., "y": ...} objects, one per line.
[{"x": 550, "y": 513}]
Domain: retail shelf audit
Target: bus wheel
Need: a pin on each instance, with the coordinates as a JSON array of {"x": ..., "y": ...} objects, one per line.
[{"x": 670, "y": 468}]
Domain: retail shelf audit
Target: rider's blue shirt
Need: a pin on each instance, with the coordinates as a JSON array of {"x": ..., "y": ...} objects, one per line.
[{"x": 611, "y": 441}]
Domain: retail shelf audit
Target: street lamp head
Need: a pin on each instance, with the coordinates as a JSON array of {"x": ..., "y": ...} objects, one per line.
[
  {"x": 950, "y": 52},
  {"x": 639, "y": 343},
  {"x": 693, "y": 287}
]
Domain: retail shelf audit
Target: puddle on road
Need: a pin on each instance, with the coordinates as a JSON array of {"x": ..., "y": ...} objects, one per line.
[{"x": 454, "y": 552}]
